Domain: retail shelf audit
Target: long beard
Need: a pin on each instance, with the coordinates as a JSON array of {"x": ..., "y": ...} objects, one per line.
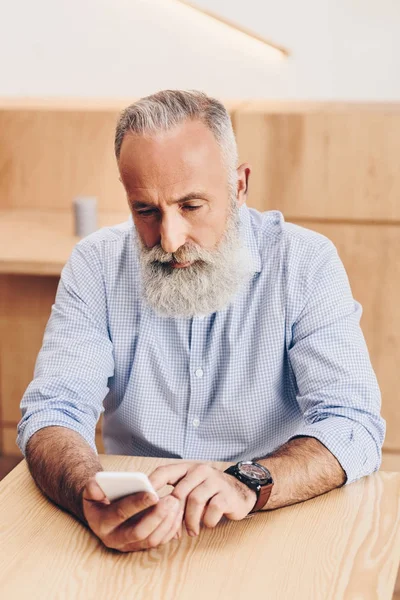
[{"x": 207, "y": 285}]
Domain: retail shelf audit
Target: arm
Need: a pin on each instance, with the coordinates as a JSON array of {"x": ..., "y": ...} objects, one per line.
[
  {"x": 61, "y": 462},
  {"x": 337, "y": 392},
  {"x": 302, "y": 469},
  {"x": 342, "y": 432},
  {"x": 76, "y": 359},
  {"x": 62, "y": 405},
  {"x": 63, "y": 466}
]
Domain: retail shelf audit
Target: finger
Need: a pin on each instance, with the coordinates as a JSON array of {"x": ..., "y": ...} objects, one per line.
[
  {"x": 164, "y": 532},
  {"x": 124, "y": 509},
  {"x": 141, "y": 531},
  {"x": 93, "y": 493},
  {"x": 176, "y": 529},
  {"x": 214, "y": 511},
  {"x": 168, "y": 474},
  {"x": 194, "y": 478},
  {"x": 196, "y": 504}
]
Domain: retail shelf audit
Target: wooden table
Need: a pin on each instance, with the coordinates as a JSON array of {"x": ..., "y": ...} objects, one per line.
[
  {"x": 39, "y": 242},
  {"x": 345, "y": 544}
]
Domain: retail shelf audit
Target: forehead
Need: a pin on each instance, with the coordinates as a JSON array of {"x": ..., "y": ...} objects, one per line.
[{"x": 188, "y": 152}]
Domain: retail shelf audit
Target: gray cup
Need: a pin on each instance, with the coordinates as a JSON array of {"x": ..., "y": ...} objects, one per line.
[{"x": 85, "y": 215}]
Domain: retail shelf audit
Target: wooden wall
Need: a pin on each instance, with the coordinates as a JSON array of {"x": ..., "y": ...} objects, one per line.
[
  {"x": 323, "y": 161},
  {"x": 50, "y": 152},
  {"x": 335, "y": 168},
  {"x": 329, "y": 167},
  {"x": 50, "y": 156}
]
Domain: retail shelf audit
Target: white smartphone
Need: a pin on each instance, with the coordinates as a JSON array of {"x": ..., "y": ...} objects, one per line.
[{"x": 117, "y": 484}]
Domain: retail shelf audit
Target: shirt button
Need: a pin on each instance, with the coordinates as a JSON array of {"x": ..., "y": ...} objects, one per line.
[
  {"x": 199, "y": 373},
  {"x": 196, "y": 422}
]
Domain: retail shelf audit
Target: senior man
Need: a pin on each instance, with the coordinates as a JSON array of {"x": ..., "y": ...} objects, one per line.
[{"x": 208, "y": 331}]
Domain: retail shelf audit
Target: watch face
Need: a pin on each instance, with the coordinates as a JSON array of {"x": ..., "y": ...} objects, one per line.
[{"x": 253, "y": 471}]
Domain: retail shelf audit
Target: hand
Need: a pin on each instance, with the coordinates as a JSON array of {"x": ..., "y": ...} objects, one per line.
[
  {"x": 136, "y": 522},
  {"x": 208, "y": 493}
]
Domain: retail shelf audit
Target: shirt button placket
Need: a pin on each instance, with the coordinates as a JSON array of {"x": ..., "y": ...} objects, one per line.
[{"x": 197, "y": 385}]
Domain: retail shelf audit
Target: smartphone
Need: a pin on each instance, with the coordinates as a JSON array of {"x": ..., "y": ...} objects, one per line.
[{"x": 117, "y": 484}]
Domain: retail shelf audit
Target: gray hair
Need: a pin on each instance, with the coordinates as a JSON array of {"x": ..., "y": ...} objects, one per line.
[{"x": 166, "y": 109}]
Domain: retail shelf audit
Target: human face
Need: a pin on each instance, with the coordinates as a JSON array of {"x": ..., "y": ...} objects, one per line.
[
  {"x": 186, "y": 216},
  {"x": 177, "y": 187}
]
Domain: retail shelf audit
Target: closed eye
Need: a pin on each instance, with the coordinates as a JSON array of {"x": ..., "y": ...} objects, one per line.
[
  {"x": 189, "y": 207},
  {"x": 148, "y": 211}
]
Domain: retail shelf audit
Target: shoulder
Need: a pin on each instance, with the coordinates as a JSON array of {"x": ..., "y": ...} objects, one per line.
[
  {"x": 270, "y": 226},
  {"x": 97, "y": 245},
  {"x": 117, "y": 234},
  {"x": 296, "y": 248},
  {"x": 296, "y": 256},
  {"x": 101, "y": 253}
]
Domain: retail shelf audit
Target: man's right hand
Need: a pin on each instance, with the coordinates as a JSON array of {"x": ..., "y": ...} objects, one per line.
[{"x": 136, "y": 522}]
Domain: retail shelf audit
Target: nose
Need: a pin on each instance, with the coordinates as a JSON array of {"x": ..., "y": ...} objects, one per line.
[{"x": 172, "y": 233}]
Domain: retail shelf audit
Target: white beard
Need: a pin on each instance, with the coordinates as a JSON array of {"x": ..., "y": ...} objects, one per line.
[{"x": 204, "y": 287}]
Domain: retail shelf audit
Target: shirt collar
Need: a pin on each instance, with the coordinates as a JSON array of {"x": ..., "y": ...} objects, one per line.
[{"x": 248, "y": 237}]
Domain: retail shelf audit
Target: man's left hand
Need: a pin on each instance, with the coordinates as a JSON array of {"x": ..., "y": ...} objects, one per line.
[{"x": 208, "y": 493}]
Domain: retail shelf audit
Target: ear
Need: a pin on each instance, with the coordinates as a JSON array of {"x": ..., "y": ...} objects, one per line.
[{"x": 243, "y": 173}]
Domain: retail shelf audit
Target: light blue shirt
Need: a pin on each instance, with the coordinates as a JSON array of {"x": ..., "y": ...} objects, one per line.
[{"x": 285, "y": 358}]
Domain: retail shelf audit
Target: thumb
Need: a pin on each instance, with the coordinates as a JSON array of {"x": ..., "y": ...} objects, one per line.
[{"x": 92, "y": 492}]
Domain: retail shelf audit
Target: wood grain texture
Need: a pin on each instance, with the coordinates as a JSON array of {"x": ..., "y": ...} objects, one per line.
[
  {"x": 49, "y": 157},
  {"x": 9, "y": 446},
  {"x": 370, "y": 254},
  {"x": 39, "y": 242},
  {"x": 322, "y": 160},
  {"x": 7, "y": 464},
  {"x": 95, "y": 104},
  {"x": 25, "y": 304},
  {"x": 345, "y": 544},
  {"x": 390, "y": 461},
  {"x": 51, "y": 152}
]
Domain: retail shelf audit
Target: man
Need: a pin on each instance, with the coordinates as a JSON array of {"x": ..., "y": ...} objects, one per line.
[{"x": 212, "y": 332}]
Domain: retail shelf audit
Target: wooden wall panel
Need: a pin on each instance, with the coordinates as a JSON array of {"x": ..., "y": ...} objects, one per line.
[
  {"x": 330, "y": 166},
  {"x": 9, "y": 446},
  {"x": 371, "y": 255},
  {"x": 25, "y": 304},
  {"x": 48, "y": 157},
  {"x": 391, "y": 462},
  {"x": 322, "y": 160},
  {"x": 53, "y": 152}
]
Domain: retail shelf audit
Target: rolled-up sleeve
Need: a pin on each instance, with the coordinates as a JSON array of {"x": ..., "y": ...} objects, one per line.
[
  {"x": 337, "y": 390},
  {"x": 76, "y": 359}
]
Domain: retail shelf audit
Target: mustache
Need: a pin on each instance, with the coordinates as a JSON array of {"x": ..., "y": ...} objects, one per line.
[{"x": 186, "y": 253}]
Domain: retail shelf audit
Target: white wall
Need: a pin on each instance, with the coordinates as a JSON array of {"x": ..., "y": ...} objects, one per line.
[{"x": 342, "y": 49}]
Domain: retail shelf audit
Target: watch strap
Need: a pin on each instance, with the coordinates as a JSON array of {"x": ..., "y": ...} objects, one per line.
[
  {"x": 263, "y": 493},
  {"x": 262, "y": 497}
]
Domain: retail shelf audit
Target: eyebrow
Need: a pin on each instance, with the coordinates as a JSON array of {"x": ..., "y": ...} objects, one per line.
[{"x": 185, "y": 198}]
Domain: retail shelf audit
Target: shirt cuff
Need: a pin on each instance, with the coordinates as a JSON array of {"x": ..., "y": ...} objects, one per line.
[
  {"x": 27, "y": 430},
  {"x": 349, "y": 442}
]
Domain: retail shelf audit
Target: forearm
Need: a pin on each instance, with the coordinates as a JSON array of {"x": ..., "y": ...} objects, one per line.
[
  {"x": 302, "y": 469},
  {"x": 61, "y": 462}
]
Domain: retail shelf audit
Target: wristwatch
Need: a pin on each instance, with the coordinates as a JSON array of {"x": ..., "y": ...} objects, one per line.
[{"x": 256, "y": 477}]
